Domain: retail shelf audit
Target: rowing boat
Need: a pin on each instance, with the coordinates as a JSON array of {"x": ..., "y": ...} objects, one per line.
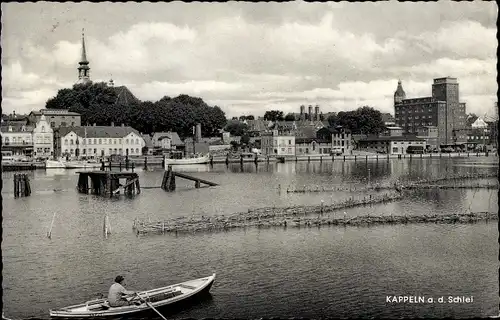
[{"x": 150, "y": 299}]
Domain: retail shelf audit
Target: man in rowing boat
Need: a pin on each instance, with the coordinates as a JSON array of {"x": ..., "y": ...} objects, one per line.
[{"x": 117, "y": 296}]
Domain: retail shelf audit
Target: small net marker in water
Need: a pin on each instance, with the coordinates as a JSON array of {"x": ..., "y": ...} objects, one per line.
[{"x": 49, "y": 233}]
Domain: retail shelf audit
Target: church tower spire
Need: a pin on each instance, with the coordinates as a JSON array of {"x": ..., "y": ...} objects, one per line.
[
  {"x": 400, "y": 94},
  {"x": 83, "y": 68}
]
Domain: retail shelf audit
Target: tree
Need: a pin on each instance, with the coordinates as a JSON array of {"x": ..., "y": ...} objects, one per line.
[
  {"x": 250, "y": 117},
  {"x": 362, "y": 120},
  {"x": 245, "y": 139},
  {"x": 236, "y": 128},
  {"x": 290, "y": 117},
  {"x": 97, "y": 103},
  {"x": 274, "y": 115}
]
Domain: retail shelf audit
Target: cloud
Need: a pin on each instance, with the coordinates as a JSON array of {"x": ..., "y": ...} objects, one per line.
[
  {"x": 252, "y": 57},
  {"x": 465, "y": 39}
]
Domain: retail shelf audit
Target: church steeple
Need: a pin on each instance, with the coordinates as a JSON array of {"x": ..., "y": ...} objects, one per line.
[
  {"x": 83, "y": 68},
  {"x": 400, "y": 94}
]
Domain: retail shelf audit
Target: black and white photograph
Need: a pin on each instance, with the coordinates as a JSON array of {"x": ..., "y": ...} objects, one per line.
[{"x": 249, "y": 160}]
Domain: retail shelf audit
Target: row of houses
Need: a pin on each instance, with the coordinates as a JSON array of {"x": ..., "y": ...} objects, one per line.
[{"x": 51, "y": 133}]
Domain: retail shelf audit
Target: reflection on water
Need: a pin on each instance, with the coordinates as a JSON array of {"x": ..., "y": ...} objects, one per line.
[{"x": 311, "y": 272}]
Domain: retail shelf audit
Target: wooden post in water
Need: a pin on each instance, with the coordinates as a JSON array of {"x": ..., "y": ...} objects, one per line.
[
  {"x": 137, "y": 186},
  {"x": 241, "y": 159},
  {"x": 197, "y": 184},
  {"x": 146, "y": 162},
  {"x": 16, "y": 185}
]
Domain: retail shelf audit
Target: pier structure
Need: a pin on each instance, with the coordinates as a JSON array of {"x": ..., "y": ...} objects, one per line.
[
  {"x": 168, "y": 182},
  {"x": 22, "y": 186},
  {"x": 107, "y": 183}
]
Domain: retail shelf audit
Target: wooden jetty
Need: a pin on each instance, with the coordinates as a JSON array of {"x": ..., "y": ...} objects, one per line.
[
  {"x": 107, "y": 183},
  {"x": 168, "y": 182},
  {"x": 22, "y": 186}
]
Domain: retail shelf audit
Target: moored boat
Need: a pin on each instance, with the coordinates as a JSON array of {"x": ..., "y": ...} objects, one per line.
[
  {"x": 55, "y": 164},
  {"x": 82, "y": 164},
  {"x": 195, "y": 160},
  {"x": 149, "y": 300}
]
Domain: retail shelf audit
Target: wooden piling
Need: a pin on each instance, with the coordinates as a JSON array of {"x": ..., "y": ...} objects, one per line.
[{"x": 146, "y": 162}]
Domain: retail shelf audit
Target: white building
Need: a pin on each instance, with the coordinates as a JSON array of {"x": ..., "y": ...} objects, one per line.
[
  {"x": 277, "y": 143},
  {"x": 17, "y": 138},
  {"x": 43, "y": 139},
  {"x": 100, "y": 141},
  {"x": 342, "y": 140},
  {"x": 391, "y": 145}
]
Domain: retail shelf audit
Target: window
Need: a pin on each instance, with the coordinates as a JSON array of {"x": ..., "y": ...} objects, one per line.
[
  {"x": 114, "y": 141},
  {"x": 70, "y": 141},
  {"x": 136, "y": 141},
  {"x": 52, "y": 124},
  {"x": 84, "y": 151},
  {"x": 95, "y": 151},
  {"x": 289, "y": 141},
  {"x": 126, "y": 141},
  {"x": 66, "y": 141},
  {"x": 115, "y": 151},
  {"x": 89, "y": 141},
  {"x": 120, "y": 141},
  {"x": 137, "y": 150},
  {"x": 63, "y": 124},
  {"x": 100, "y": 141},
  {"x": 283, "y": 149},
  {"x": 72, "y": 151},
  {"x": 110, "y": 151},
  {"x": 131, "y": 150}
]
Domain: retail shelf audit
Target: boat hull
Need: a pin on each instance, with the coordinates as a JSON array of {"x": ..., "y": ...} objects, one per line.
[
  {"x": 188, "y": 295},
  {"x": 200, "y": 160},
  {"x": 54, "y": 164}
]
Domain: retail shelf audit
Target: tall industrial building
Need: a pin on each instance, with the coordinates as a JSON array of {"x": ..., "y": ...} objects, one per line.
[{"x": 442, "y": 110}]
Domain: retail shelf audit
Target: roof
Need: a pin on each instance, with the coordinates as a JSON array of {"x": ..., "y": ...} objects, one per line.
[
  {"x": 258, "y": 125},
  {"x": 124, "y": 96},
  {"x": 392, "y": 138},
  {"x": 310, "y": 140},
  {"x": 387, "y": 117},
  {"x": 99, "y": 131},
  {"x": 479, "y": 123},
  {"x": 62, "y": 112},
  {"x": 16, "y": 127},
  {"x": 147, "y": 140},
  {"x": 176, "y": 140}
]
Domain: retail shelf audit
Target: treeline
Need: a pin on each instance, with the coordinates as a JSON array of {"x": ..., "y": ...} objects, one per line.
[
  {"x": 362, "y": 120},
  {"x": 98, "y": 103}
]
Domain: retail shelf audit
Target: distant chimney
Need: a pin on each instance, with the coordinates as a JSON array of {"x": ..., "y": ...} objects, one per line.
[
  {"x": 112, "y": 124},
  {"x": 302, "y": 112},
  {"x": 198, "y": 132},
  {"x": 316, "y": 113},
  {"x": 310, "y": 112}
]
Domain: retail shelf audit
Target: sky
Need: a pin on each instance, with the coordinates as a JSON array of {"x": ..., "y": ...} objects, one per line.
[{"x": 251, "y": 57}]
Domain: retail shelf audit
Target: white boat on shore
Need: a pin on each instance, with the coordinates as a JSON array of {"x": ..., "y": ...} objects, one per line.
[
  {"x": 82, "y": 164},
  {"x": 195, "y": 160},
  {"x": 71, "y": 164},
  {"x": 55, "y": 164}
]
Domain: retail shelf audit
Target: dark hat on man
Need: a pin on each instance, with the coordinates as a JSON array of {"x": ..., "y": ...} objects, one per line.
[{"x": 119, "y": 279}]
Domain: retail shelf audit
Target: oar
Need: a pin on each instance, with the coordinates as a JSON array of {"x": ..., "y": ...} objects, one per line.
[{"x": 151, "y": 306}]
